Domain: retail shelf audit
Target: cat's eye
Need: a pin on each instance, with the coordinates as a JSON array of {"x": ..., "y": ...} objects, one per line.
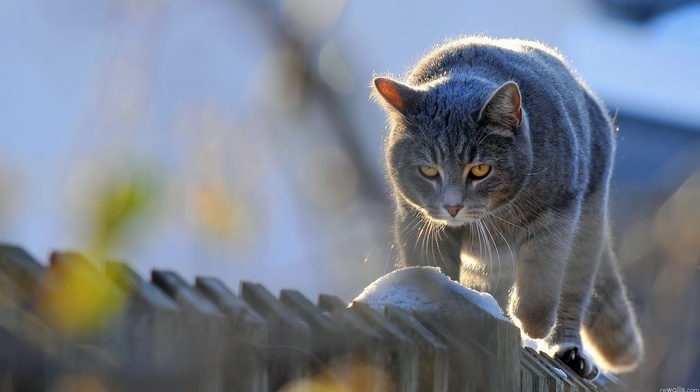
[
  {"x": 428, "y": 171},
  {"x": 480, "y": 171}
]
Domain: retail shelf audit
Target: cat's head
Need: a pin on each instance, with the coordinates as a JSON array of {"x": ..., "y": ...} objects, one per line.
[{"x": 458, "y": 150}]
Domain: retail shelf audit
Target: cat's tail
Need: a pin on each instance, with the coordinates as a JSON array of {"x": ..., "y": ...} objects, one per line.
[{"x": 610, "y": 328}]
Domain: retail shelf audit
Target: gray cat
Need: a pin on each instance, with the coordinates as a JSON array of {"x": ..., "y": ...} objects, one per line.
[{"x": 500, "y": 159}]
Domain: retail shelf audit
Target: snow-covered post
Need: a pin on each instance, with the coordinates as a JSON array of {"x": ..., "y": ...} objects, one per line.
[{"x": 484, "y": 346}]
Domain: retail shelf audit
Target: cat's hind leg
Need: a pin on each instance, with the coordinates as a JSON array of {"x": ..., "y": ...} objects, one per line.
[{"x": 610, "y": 326}]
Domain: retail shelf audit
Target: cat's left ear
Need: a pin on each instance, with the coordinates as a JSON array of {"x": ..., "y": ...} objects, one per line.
[
  {"x": 398, "y": 96},
  {"x": 503, "y": 110}
]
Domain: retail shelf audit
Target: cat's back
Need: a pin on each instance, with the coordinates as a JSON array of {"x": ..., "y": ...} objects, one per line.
[
  {"x": 546, "y": 80},
  {"x": 496, "y": 59}
]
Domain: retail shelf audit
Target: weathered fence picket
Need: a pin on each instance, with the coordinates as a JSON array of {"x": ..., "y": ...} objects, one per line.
[
  {"x": 289, "y": 339},
  {"x": 246, "y": 333},
  {"x": 401, "y": 360},
  {"x": 367, "y": 345},
  {"x": 432, "y": 353}
]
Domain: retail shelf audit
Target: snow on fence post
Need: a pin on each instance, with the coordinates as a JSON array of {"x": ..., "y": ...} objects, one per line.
[{"x": 483, "y": 345}]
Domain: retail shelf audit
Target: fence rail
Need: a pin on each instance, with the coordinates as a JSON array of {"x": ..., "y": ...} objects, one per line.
[{"x": 166, "y": 334}]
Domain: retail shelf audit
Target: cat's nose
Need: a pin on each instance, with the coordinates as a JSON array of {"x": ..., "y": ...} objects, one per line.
[{"x": 453, "y": 210}]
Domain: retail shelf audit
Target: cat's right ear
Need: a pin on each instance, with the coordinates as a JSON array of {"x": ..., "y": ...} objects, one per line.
[
  {"x": 397, "y": 96},
  {"x": 504, "y": 109}
]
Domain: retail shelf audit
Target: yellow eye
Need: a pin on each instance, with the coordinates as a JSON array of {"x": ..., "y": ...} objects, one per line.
[
  {"x": 480, "y": 171},
  {"x": 429, "y": 171}
]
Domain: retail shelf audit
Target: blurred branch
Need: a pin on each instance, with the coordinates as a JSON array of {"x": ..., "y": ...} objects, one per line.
[{"x": 371, "y": 185}]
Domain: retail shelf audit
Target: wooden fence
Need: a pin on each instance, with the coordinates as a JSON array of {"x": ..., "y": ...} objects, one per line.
[{"x": 167, "y": 334}]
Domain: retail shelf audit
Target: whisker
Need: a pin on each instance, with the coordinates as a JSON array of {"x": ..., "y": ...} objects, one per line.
[
  {"x": 491, "y": 214},
  {"x": 498, "y": 254},
  {"x": 424, "y": 233},
  {"x": 440, "y": 230},
  {"x": 512, "y": 257},
  {"x": 429, "y": 244},
  {"x": 482, "y": 234},
  {"x": 388, "y": 257}
]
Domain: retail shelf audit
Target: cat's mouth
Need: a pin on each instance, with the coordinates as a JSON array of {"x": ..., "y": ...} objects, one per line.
[{"x": 461, "y": 219}]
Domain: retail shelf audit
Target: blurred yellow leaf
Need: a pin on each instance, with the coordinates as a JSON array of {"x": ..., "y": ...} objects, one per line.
[{"x": 77, "y": 299}]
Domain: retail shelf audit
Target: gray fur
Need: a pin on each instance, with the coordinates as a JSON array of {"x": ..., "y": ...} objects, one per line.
[{"x": 535, "y": 229}]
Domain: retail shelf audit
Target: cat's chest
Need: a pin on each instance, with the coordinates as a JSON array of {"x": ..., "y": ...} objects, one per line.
[
  {"x": 489, "y": 252},
  {"x": 492, "y": 238},
  {"x": 489, "y": 248}
]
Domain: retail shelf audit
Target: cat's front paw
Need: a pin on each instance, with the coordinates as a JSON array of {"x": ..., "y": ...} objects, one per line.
[
  {"x": 535, "y": 321},
  {"x": 579, "y": 362}
]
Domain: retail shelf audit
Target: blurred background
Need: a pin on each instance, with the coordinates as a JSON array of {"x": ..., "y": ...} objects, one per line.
[{"x": 235, "y": 138}]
